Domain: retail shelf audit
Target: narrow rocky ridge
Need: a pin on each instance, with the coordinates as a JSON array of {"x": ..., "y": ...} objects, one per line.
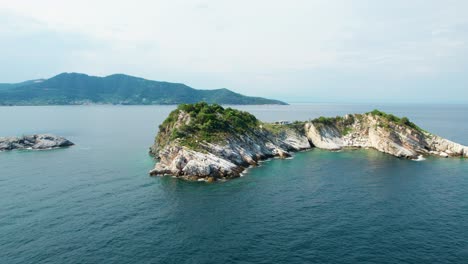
[{"x": 192, "y": 156}]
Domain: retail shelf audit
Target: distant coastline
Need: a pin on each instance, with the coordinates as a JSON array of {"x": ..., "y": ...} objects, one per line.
[{"x": 116, "y": 89}]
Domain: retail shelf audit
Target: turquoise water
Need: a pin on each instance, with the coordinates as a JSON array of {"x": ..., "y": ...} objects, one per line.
[{"x": 95, "y": 203}]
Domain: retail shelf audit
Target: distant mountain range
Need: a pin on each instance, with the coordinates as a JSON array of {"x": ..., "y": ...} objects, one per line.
[{"x": 77, "y": 88}]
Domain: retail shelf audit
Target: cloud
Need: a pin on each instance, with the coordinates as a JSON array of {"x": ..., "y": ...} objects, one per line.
[{"x": 255, "y": 47}]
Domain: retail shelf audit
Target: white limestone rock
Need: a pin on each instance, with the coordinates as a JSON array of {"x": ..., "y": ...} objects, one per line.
[
  {"x": 35, "y": 142},
  {"x": 224, "y": 160},
  {"x": 227, "y": 159},
  {"x": 369, "y": 131}
]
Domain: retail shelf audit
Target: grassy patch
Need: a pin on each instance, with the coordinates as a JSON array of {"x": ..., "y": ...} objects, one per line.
[
  {"x": 208, "y": 122},
  {"x": 346, "y": 131},
  {"x": 279, "y": 128},
  {"x": 403, "y": 121},
  {"x": 343, "y": 124}
]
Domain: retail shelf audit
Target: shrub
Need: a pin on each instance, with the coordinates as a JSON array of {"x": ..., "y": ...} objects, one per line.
[
  {"x": 324, "y": 120},
  {"x": 209, "y": 122},
  {"x": 404, "y": 121}
]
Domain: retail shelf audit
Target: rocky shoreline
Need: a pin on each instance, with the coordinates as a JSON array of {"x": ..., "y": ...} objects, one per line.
[
  {"x": 195, "y": 155},
  {"x": 34, "y": 142}
]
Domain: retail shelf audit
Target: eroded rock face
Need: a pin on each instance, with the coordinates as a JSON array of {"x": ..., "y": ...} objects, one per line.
[
  {"x": 369, "y": 131},
  {"x": 35, "y": 142},
  {"x": 228, "y": 158},
  {"x": 446, "y": 148},
  {"x": 189, "y": 164}
]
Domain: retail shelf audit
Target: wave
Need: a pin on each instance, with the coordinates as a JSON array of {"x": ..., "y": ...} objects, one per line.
[{"x": 420, "y": 158}]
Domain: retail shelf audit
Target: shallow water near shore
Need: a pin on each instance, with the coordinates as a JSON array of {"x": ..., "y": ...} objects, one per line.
[{"x": 95, "y": 203}]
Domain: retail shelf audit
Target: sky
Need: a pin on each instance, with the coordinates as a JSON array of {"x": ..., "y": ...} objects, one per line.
[{"x": 297, "y": 50}]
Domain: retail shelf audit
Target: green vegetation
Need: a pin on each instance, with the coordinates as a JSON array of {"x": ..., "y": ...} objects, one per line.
[
  {"x": 298, "y": 126},
  {"x": 326, "y": 120},
  {"x": 342, "y": 124},
  {"x": 404, "y": 121},
  {"x": 280, "y": 128},
  {"x": 273, "y": 128},
  {"x": 346, "y": 131},
  {"x": 334, "y": 120},
  {"x": 75, "y": 88},
  {"x": 191, "y": 124},
  {"x": 207, "y": 123}
]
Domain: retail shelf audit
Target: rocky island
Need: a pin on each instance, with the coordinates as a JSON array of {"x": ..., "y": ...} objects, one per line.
[
  {"x": 209, "y": 142},
  {"x": 35, "y": 142}
]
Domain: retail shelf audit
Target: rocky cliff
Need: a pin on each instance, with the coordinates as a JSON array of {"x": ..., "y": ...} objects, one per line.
[
  {"x": 383, "y": 132},
  {"x": 36, "y": 142},
  {"x": 208, "y": 142}
]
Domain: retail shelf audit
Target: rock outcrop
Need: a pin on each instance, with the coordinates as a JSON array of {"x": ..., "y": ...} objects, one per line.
[
  {"x": 202, "y": 142},
  {"x": 226, "y": 158},
  {"x": 377, "y": 132},
  {"x": 35, "y": 142},
  {"x": 381, "y": 133}
]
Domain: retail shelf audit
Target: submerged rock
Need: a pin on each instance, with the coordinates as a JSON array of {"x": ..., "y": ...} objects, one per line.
[
  {"x": 36, "y": 142},
  {"x": 204, "y": 142}
]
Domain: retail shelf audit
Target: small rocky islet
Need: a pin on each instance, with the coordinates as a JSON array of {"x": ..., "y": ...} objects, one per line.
[
  {"x": 34, "y": 142},
  {"x": 203, "y": 142}
]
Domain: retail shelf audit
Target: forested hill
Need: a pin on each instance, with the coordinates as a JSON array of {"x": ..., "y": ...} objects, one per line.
[{"x": 77, "y": 88}]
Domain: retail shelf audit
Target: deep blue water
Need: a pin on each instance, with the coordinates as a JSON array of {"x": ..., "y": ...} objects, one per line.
[{"x": 95, "y": 203}]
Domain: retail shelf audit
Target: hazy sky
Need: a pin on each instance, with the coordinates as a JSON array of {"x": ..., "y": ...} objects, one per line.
[{"x": 310, "y": 50}]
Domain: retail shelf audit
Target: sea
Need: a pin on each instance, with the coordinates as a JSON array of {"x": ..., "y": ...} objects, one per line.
[{"x": 95, "y": 202}]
